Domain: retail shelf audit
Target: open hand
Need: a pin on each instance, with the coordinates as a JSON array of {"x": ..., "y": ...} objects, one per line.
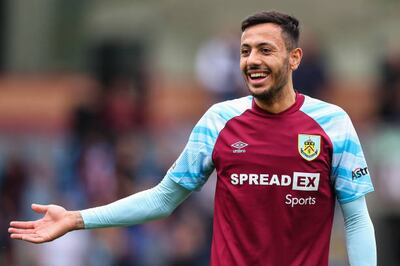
[{"x": 56, "y": 222}]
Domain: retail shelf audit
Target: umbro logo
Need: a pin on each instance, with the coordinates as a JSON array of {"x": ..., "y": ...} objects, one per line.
[{"x": 239, "y": 147}]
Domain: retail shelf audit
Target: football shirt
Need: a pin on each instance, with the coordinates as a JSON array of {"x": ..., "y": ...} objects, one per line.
[{"x": 278, "y": 176}]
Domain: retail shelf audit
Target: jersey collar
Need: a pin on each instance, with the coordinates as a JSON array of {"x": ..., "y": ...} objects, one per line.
[{"x": 293, "y": 108}]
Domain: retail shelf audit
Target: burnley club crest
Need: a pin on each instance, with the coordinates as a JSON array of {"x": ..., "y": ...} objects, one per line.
[{"x": 309, "y": 146}]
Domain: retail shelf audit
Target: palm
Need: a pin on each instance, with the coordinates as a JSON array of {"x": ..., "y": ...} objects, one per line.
[{"x": 53, "y": 225}]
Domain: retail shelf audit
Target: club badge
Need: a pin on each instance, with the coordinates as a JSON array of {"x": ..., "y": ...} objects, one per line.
[{"x": 309, "y": 146}]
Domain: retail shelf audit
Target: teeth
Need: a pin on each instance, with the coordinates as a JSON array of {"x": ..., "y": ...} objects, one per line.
[{"x": 258, "y": 75}]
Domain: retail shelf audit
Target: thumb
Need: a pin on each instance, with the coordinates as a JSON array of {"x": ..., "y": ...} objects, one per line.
[{"x": 40, "y": 208}]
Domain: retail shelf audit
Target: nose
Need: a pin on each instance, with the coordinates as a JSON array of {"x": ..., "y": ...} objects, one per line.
[{"x": 254, "y": 59}]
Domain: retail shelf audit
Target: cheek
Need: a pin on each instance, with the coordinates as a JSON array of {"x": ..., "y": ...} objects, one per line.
[
  {"x": 242, "y": 64},
  {"x": 242, "y": 69},
  {"x": 278, "y": 65}
]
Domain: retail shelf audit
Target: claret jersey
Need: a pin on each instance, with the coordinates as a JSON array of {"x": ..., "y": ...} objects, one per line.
[{"x": 278, "y": 176}]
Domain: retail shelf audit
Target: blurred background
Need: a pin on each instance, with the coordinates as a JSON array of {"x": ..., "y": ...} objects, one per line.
[{"x": 97, "y": 99}]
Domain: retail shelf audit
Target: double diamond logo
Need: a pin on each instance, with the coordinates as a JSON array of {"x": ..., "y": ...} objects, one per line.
[{"x": 239, "y": 147}]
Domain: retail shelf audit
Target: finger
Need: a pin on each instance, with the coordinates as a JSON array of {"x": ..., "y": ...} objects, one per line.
[
  {"x": 20, "y": 231},
  {"x": 33, "y": 238},
  {"x": 22, "y": 224},
  {"x": 40, "y": 208}
]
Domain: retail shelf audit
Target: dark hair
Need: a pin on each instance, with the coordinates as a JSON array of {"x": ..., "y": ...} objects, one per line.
[{"x": 288, "y": 24}]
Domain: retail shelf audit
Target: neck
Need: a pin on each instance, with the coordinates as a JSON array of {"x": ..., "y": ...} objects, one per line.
[{"x": 282, "y": 101}]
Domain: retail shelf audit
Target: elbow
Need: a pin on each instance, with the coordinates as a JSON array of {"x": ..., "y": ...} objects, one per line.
[
  {"x": 358, "y": 221},
  {"x": 165, "y": 212}
]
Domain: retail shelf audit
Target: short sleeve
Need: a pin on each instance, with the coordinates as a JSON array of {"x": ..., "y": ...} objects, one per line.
[
  {"x": 349, "y": 171},
  {"x": 349, "y": 168},
  {"x": 194, "y": 165}
]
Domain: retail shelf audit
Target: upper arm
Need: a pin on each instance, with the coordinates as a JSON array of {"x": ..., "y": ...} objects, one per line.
[
  {"x": 349, "y": 173},
  {"x": 194, "y": 165}
]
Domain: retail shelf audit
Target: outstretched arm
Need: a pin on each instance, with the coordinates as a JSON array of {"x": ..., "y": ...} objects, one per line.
[
  {"x": 151, "y": 204},
  {"x": 147, "y": 205},
  {"x": 360, "y": 236}
]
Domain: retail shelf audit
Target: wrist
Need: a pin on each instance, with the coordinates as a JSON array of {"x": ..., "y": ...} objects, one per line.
[{"x": 76, "y": 220}]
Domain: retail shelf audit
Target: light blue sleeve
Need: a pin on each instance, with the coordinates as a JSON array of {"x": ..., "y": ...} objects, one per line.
[
  {"x": 349, "y": 172},
  {"x": 194, "y": 165},
  {"x": 360, "y": 236},
  {"x": 151, "y": 204},
  {"x": 349, "y": 167}
]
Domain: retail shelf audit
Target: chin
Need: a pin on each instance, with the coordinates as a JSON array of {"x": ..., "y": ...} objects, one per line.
[
  {"x": 266, "y": 93},
  {"x": 259, "y": 92},
  {"x": 262, "y": 96}
]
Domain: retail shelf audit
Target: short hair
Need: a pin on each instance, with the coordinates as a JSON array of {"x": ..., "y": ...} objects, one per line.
[{"x": 288, "y": 24}]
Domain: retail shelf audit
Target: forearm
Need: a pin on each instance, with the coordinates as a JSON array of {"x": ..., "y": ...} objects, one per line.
[
  {"x": 141, "y": 207},
  {"x": 360, "y": 236}
]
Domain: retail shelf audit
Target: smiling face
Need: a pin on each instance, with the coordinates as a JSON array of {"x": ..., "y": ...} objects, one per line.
[{"x": 265, "y": 61}]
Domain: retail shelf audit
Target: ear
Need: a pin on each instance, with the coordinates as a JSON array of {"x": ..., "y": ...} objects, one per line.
[{"x": 295, "y": 58}]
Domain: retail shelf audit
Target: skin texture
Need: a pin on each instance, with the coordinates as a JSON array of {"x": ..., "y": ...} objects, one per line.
[
  {"x": 55, "y": 223},
  {"x": 263, "y": 50}
]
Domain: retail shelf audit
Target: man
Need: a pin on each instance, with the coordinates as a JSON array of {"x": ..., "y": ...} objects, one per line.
[{"x": 281, "y": 159}]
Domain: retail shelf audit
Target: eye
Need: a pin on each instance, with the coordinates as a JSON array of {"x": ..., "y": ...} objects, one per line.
[
  {"x": 266, "y": 51},
  {"x": 244, "y": 51}
]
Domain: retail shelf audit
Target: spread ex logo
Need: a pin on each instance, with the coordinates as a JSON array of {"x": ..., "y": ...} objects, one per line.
[{"x": 305, "y": 181}]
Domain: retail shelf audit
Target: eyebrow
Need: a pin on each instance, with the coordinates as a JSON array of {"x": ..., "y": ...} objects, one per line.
[{"x": 259, "y": 45}]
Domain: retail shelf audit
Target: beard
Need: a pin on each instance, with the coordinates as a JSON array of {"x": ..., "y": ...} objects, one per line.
[{"x": 280, "y": 78}]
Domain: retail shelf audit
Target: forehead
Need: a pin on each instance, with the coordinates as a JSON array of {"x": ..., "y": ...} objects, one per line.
[{"x": 263, "y": 33}]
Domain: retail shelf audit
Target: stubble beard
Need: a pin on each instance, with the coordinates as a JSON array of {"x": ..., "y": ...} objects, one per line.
[{"x": 273, "y": 94}]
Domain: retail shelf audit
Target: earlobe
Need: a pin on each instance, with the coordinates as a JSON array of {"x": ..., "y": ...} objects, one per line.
[
  {"x": 293, "y": 63},
  {"x": 295, "y": 58}
]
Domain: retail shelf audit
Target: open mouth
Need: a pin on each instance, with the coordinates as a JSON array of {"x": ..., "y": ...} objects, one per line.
[{"x": 258, "y": 76}]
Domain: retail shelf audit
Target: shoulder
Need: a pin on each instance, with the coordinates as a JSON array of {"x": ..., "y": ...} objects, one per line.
[
  {"x": 329, "y": 116},
  {"x": 216, "y": 117},
  {"x": 335, "y": 122},
  {"x": 231, "y": 108},
  {"x": 315, "y": 106}
]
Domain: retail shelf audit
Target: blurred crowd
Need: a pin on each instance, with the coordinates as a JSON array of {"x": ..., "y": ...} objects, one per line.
[{"x": 130, "y": 127}]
